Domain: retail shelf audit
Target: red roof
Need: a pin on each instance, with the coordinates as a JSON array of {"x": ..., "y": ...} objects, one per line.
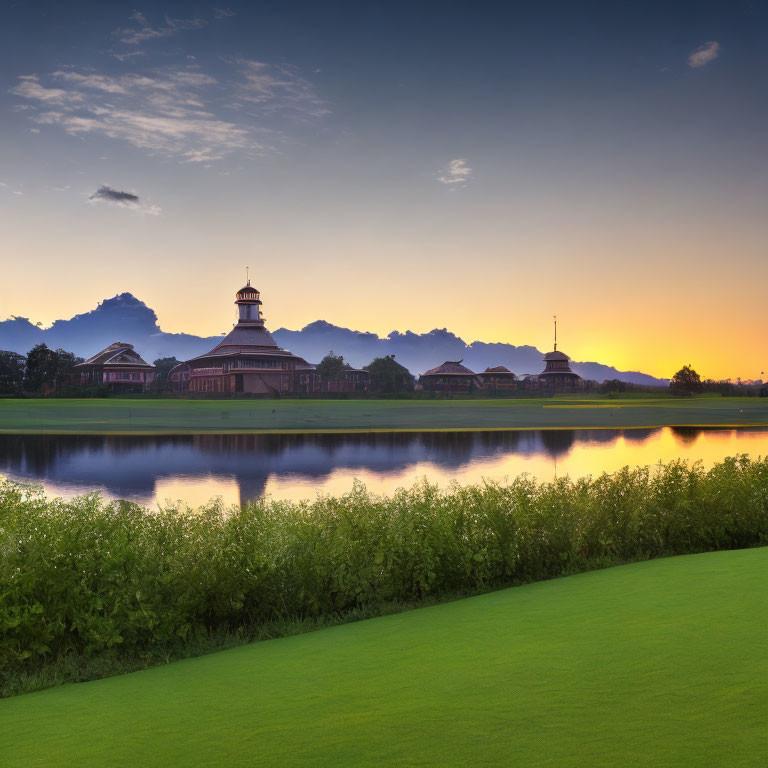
[
  {"x": 450, "y": 368},
  {"x": 118, "y": 354},
  {"x": 251, "y": 340}
]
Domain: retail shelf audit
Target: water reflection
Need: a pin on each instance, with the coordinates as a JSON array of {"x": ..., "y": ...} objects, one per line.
[{"x": 243, "y": 467}]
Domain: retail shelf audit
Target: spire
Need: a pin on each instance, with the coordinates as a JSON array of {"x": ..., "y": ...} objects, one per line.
[
  {"x": 247, "y": 276},
  {"x": 555, "y": 316}
]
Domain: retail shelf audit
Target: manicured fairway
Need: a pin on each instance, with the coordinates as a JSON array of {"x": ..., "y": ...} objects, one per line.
[
  {"x": 183, "y": 416},
  {"x": 663, "y": 663}
]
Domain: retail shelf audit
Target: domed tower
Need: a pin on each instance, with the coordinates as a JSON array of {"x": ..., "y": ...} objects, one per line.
[
  {"x": 249, "y": 305},
  {"x": 246, "y": 360},
  {"x": 557, "y": 373}
]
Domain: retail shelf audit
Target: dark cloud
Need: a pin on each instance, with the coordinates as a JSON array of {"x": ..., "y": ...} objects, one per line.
[{"x": 114, "y": 196}]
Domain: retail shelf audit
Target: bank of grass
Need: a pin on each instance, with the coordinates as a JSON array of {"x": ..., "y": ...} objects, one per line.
[
  {"x": 89, "y": 588},
  {"x": 661, "y": 663},
  {"x": 173, "y": 416}
]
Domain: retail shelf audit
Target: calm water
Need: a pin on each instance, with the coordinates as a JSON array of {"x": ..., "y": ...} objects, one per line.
[{"x": 239, "y": 468}]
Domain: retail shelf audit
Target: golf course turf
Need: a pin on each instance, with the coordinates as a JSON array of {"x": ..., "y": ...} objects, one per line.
[
  {"x": 172, "y": 416},
  {"x": 660, "y": 663}
]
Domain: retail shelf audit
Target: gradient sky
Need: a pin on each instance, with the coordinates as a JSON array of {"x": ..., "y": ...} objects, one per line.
[{"x": 476, "y": 166}]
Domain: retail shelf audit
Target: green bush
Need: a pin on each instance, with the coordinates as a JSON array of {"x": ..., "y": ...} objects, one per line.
[{"x": 85, "y": 578}]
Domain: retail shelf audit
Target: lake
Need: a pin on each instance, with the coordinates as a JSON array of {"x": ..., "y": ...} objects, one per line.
[{"x": 239, "y": 468}]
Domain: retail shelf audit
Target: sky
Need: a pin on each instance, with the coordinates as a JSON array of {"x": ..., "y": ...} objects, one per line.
[{"x": 478, "y": 166}]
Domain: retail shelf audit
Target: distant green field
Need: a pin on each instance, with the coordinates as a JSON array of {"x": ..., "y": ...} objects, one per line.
[
  {"x": 662, "y": 663},
  {"x": 184, "y": 416}
]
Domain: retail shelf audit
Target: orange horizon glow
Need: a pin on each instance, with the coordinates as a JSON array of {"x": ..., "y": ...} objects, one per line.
[{"x": 620, "y": 316}]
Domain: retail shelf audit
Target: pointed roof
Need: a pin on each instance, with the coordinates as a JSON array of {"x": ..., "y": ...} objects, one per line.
[
  {"x": 118, "y": 354},
  {"x": 498, "y": 369},
  {"x": 247, "y": 335},
  {"x": 450, "y": 367},
  {"x": 248, "y": 338}
]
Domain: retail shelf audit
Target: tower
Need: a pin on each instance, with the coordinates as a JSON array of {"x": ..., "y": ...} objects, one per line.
[
  {"x": 249, "y": 305},
  {"x": 555, "y": 316},
  {"x": 557, "y": 373}
]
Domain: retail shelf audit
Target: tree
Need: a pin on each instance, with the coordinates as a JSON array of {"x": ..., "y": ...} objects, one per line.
[
  {"x": 41, "y": 368},
  {"x": 332, "y": 367},
  {"x": 389, "y": 376},
  {"x": 686, "y": 381},
  {"x": 613, "y": 385},
  {"x": 47, "y": 368},
  {"x": 162, "y": 366},
  {"x": 65, "y": 364},
  {"x": 11, "y": 373}
]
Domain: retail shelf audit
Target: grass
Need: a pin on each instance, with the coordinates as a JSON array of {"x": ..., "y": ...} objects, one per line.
[
  {"x": 173, "y": 416},
  {"x": 657, "y": 663},
  {"x": 89, "y": 588}
]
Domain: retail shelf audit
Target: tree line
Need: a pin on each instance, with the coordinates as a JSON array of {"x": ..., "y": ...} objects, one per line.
[
  {"x": 387, "y": 375},
  {"x": 44, "y": 370}
]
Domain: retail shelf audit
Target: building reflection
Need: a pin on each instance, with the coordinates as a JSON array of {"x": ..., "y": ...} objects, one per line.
[
  {"x": 138, "y": 467},
  {"x": 686, "y": 435}
]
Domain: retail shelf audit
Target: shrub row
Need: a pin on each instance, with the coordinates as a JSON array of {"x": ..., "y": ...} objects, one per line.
[{"x": 85, "y": 576}]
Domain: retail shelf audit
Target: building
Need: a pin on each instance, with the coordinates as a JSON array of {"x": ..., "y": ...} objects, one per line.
[
  {"x": 499, "y": 380},
  {"x": 247, "y": 360},
  {"x": 451, "y": 376},
  {"x": 352, "y": 380},
  {"x": 118, "y": 367},
  {"x": 308, "y": 381},
  {"x": 557, "y": 375}
]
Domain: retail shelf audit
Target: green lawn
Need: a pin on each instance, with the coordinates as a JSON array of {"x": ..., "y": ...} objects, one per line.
[
  {"x": 180, "y": 416},
  {"x": 662, "y": 663}
]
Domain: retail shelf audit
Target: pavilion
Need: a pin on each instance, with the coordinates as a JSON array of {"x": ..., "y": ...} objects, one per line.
[
  {"x": 451, "y": 376},
  {"x": 118, "y": 367},
  {"x": 557, "y": 374},
  {"x": 499, "y": 379},
  {"x": 247, "y": 360}
]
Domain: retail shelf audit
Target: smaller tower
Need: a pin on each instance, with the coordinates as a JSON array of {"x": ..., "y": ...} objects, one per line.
[
  {"x": 249, "y": 305},
  {"x": 557, "y": 373}
]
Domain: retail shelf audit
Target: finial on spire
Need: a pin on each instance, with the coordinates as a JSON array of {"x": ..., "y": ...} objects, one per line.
[
  {"x": 247, "y": 275},
  {"x": 555, "y": 316}
]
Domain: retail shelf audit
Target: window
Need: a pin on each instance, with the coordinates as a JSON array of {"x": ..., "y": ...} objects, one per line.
[{"x": 250, "y": 362}]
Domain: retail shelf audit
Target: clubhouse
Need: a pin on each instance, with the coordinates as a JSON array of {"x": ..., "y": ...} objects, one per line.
[
  {"x": 118, "y": 367},
  {"x": 249, "y": 361}
]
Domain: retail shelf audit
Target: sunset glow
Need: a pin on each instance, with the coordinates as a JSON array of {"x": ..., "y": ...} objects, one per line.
[{"x": 478, "y": 169}]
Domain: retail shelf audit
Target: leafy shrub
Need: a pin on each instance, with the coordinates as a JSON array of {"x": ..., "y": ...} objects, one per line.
[{"x": 84, "y": 577}]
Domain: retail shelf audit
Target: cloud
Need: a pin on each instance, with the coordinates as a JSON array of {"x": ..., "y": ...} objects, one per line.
[
  {"x": 704, "y": 54},
  {"x": 140, "y": 18},
  {"x": 278, "y": 88},
  {"x": 29, "y": 87},
  {"x": 125, "y": 55},
  {"x": 185, "y": 24},
  {"x": 113, "y": 196},
  {"x": 223, "y": 13},
  {"x": 144, "y": 31},
  {"x": 179, "y": 112},
  {"x": 457, "y": 173},
  {"x": 96, "y": 82},
  {"x": 107, "y": 194}
]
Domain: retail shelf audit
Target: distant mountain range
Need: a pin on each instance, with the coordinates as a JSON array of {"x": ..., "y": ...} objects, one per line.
[{"x": 126, "y": 318}]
